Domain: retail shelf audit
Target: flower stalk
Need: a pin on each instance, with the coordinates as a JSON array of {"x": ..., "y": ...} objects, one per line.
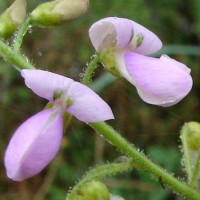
[
  {"x": 13, "y": 57},
  {"x": 100, "y": 172},
  {"x": 186, "y": 154},
  {"x": 195, "y": 173},
  {"x": 142, "y": 161},
  {"x": 21, "y": 33},
  {"x": 12, "y": 54},
  {"x": 90, "y": 69}
]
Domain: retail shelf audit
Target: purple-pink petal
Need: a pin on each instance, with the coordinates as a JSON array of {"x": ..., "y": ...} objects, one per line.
[
  {"x": 124, "y": 33},
  {"x": 161, "y": 81},
  {"x": 45, "y": 83},
  {"x": 150, "y": 43},
  {"x": 87, "y": 106},
  {"x": 107, "y": 31},
  {"x": 34, "y": 145}
]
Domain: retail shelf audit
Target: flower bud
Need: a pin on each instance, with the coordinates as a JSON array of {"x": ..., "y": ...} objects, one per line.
[
  {"x": 192, "y": 131},
  {"x": 58, "y": 12},
  {"x": 94, "y": 190},
  {"x": 12, "y": 18}
]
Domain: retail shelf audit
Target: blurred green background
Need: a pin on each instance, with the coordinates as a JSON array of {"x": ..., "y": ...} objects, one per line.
[{"x": 66, "y": 50}]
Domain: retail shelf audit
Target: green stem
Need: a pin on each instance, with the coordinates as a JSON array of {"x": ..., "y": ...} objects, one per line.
[
  {"x": 10, "y": 55},
  {"x": 142, "y": 161},
  {"x": 90, "y": 70},
  {"x": 21, "y": 33},
  {"x": 100, "y": 172},
  {"x": 186, "y": 153},
  {"x": 195, "y": 174}
]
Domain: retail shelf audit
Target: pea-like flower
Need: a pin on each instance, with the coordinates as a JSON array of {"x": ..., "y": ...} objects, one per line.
[
  {"x": 162, "y": 81},
  {"x": 123, "y": 45},
  {"x": 38, "y": 139}
]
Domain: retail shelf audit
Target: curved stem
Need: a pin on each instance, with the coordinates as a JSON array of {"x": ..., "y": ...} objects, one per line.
[
  {"x": 186, "y": 154},
  {"x": 90, "y": 69},
  {"x": 100, "y": 172},
  {"x": 142, "y": 161},
  {"x": 21, "y": 33},
  {"x": 10, "y": 55},
  {"x": 195, "y": 174}
]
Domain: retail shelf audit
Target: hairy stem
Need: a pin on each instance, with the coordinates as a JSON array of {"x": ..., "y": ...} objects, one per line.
[
  {"x": 142, "y": 161},
  {"x": 100, "y": 172},
  {"x": 21, "y": 33},
  {"x": 195, "y": 174},
  {"x": 90, "y": 69},
  {"x": 186, "y": 154},
  {"x": 13, "y": 57}
]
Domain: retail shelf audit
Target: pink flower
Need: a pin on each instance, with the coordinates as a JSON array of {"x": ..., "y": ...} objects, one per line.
[
  {"x": 123, "y": 45},
  {"x": 37, "y": 140}
]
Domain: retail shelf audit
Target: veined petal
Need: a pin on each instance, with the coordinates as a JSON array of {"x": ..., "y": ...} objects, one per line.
[
  {"x": 87, "y": 106},
  {"x": 125, "y": 33},
  {"x": 45, "y": 83},
  {"x": 34, "y": 145},
  {"x": 162, "y": 81},
  {"x": 107, "y": 31}
]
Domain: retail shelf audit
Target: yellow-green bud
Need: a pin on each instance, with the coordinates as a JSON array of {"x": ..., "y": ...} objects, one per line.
[
  {"x": 12, "y": 18},
  {"x": 58, "y": 12},
  {"x": 93, "y": 190},
  {"x": 192, "y": 131},
  {"x": 71, "y": 9}
]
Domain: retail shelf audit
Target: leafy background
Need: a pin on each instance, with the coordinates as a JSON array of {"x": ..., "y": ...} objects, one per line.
[{"x": 66, "y": 50}]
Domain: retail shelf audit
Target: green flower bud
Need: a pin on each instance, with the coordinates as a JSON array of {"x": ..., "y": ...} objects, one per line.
[
  {"x": 12, "y": 18},
  {"x": 93, "y": 190},
  {"x": 71, "y": 9},
  {"x": 192, "y": 131},
  {"x": 58, "y": 12}
]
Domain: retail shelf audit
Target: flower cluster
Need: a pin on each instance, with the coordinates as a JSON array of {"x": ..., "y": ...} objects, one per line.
[{"x": 123, "y": 45}]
